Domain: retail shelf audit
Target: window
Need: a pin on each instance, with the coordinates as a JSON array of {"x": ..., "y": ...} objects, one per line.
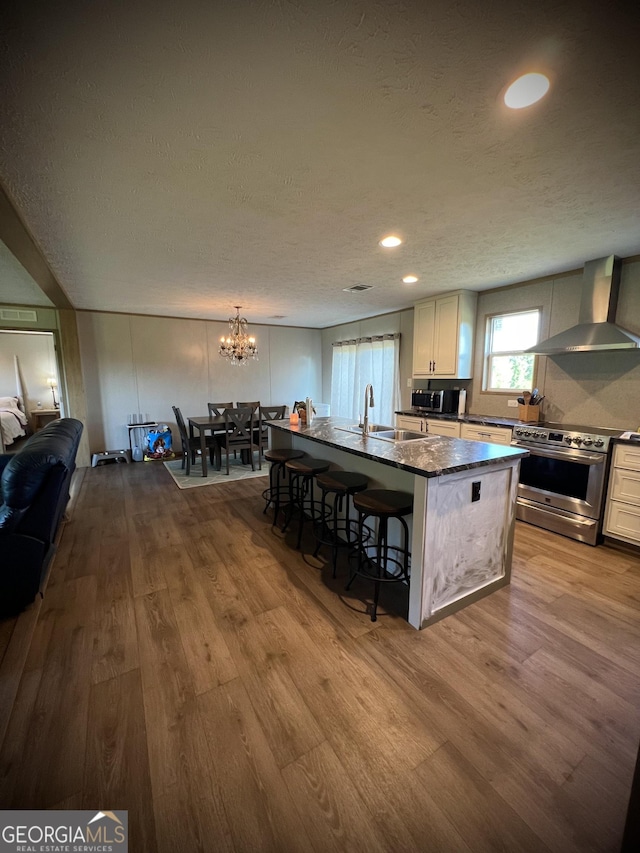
[
  {"x": 507, "y": 366},
  {"x": 357, "y": 363}
]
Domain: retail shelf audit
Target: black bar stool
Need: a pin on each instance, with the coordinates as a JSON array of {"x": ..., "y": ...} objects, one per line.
[
  {"x": 273, "y": 494},
  {"x": 301, "y": 473},
  {"x": 331, "y": 529},
  {"x": 379, "y": 561}
]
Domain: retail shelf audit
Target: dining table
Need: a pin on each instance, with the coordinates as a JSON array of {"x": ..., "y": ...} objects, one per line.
[{"x": 204, "y": 424}]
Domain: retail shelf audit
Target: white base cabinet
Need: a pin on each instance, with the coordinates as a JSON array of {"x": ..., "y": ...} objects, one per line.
[
  {"x": 431, "y": 426},
  {"x": 415, "y": 424},
  {"x": 451, "y": 429},
  {"x": 443, "y": 336},
  {"x": 492, "y": 434},
  {"x": 622, "y": 515}
]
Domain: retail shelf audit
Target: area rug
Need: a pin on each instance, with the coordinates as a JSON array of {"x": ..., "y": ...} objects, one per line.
[{"x": 237, "y": 471}]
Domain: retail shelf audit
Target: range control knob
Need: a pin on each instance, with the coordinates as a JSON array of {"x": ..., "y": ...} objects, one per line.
[
  {"x": 577, "y": 440},
  {"x": 527, "y": 432},
  {"x": 598, "y": 442},
  {"x": 587, "y": 442},
  {"x": 567, "y": 439}
]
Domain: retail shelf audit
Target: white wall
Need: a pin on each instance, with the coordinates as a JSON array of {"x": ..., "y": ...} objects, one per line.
[
  {"x": 37, "y": 360},
  {"x": 147, "y": 364}
]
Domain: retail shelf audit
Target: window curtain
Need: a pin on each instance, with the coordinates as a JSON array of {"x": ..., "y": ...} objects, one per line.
[{"x": 356, "y": 363}]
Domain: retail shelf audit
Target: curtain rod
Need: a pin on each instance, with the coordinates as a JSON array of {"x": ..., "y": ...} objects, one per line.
[{"x": 390, "y": 337}]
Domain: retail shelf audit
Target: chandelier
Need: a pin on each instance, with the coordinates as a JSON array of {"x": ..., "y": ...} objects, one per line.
[{"x": 238, "y": 346}]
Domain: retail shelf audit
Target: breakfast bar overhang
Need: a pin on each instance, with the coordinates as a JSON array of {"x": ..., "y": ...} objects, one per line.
[{"x": 464, "y": 495}]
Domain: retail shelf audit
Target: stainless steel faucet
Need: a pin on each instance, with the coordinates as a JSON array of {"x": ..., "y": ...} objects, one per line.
[{"x": 368, "y": 401}]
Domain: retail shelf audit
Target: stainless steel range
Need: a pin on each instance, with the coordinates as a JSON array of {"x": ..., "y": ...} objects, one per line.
[{"x": 563, "y": 481}]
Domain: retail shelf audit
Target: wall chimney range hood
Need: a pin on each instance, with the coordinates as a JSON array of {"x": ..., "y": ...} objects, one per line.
[{"x": 596, "y": 330}]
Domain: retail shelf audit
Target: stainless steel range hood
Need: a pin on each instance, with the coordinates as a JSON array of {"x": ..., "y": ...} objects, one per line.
[{"x": 596, "y": 330}]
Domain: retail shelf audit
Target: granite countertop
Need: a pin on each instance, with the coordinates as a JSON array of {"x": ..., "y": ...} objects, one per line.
[
  {"x": 431, "y": 456},
  {"x": 484, "y": 420}
]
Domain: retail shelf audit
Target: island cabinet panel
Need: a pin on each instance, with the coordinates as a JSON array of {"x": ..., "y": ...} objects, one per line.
[
  {"x": 443, "y": 336},
  {"x": 622, "y": 516},
  {"x": 466, "y": 544}
]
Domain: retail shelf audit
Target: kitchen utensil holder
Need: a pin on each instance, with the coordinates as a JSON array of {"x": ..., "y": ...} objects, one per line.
[{"x": 528, "y": 414}]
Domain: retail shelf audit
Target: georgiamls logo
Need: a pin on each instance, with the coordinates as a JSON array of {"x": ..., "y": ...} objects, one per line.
[{"x": 100, "y": 815}]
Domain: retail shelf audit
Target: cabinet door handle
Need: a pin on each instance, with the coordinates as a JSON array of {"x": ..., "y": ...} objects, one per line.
[{"x": 434, "y": 367}]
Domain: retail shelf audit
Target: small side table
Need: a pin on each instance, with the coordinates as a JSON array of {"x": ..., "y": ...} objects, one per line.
[
  {"x": 43, "y": 416},
  {"x": 131, "y": 427}
]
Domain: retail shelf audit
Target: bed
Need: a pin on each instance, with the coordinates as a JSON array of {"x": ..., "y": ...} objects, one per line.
[{"x": 13, "y": 421}]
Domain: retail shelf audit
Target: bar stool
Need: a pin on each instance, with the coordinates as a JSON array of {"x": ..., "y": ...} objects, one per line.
[
  {"x": 331, "y": 529},
  {"x": 272, "y": 495},
  {"x": 301, "y": 473},
  {"x": 379, "y": 561}
]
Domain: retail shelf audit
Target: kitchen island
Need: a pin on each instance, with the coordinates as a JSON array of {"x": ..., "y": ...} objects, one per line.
[{"x": 464, "y": 495}]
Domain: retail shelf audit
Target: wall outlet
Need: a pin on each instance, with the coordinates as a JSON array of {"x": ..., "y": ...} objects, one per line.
[
  {"x": 512, "y": 404},
  {"x": 409, "y": 383}
]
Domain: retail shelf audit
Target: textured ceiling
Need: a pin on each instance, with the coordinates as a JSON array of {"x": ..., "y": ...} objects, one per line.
[{"x": 183, "y": 158}]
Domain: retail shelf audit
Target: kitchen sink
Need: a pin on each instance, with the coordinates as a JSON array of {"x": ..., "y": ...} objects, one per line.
[
  {"x": 384, "y": 433},
  {"x": 398, "y": 435},
  {"x": 357, "y": 428}
]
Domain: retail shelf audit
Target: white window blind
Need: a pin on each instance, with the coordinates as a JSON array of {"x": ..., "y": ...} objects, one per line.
[{"x": 361, "y": 361}]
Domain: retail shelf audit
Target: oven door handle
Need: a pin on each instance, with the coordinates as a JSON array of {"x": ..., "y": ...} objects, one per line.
[{"x": 567, "y": 456}]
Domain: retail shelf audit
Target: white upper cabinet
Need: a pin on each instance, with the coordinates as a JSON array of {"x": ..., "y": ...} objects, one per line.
[{"x": 443, "y": 336}]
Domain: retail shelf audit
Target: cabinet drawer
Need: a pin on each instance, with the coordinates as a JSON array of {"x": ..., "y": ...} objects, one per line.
[
  {"x": 407, "y": 422},
  {"x": 492, "y": 435},
  {"x": 625, "y": 486},
  {"x": 623, "y": 520},
  {"x": 627, "y": 456},
  {"x": 451, "y": 429}
]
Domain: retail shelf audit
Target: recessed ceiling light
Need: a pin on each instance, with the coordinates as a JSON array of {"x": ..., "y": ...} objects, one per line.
[
  {"x": 526, "y": 90},
  {"x": 390, "y": 242},
  {"x": 410, "y": 279}
]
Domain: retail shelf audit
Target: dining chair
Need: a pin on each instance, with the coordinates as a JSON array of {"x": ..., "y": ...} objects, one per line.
[
  {"x": 268, "y": 413},
  {"x": 240, "y": 428},
  {"x": 191, "y": 444},
  {"x": 255, "y": 405},
  {"x": 216, "y": 409}
]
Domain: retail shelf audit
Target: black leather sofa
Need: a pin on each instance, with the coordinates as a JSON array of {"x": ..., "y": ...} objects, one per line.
[{"x": 34, "y": 492}]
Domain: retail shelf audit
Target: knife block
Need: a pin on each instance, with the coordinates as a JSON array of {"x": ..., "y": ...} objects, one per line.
[{"x": 528, "y": 414}]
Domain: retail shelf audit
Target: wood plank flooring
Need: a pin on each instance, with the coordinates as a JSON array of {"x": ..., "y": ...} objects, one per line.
[{"x": 187, "y": 664}]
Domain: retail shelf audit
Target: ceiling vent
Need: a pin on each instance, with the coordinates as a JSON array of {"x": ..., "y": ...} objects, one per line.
[
  {"x": 18, "y": 315},
  {"x": 357, "y": 288}
]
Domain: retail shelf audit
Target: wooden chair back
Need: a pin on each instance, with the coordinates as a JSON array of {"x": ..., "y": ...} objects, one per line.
[
  {"x": 268, "y": 413},
  {"x": 217, "y": 409},
  {"x": 241, "y": 424}
]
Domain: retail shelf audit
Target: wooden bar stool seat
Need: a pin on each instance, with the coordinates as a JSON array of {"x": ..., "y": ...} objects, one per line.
[
  {"x": 332, "y": 529},
  {"x": 378, "y": 560}
]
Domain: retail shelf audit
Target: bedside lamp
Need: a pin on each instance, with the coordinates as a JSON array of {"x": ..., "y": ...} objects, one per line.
[{"x": 52, "y": 382}]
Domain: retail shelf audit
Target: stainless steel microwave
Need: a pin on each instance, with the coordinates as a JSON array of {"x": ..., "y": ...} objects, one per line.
[{"x": 443, "y": 402}]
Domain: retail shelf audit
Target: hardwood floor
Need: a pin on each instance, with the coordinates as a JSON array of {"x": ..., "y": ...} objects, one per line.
[{"x": 188, "y": 665}]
